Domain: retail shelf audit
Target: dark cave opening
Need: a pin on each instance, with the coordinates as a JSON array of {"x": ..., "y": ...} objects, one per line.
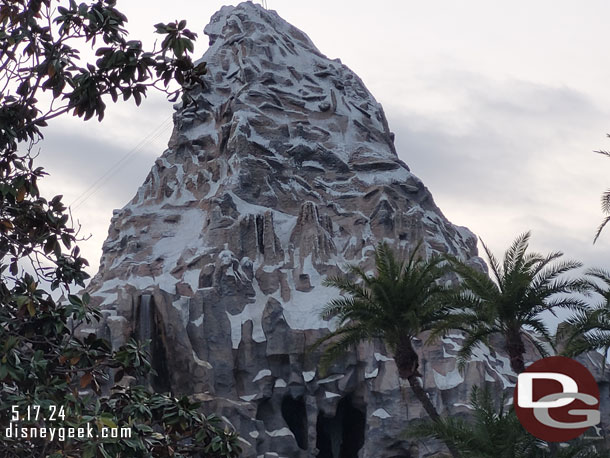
[
  {"x": 160, "y": 381},
  {"x": 341, "y": 436},
  {"x": 295, "y": 416},
  {"x": 149, "y": 327}
]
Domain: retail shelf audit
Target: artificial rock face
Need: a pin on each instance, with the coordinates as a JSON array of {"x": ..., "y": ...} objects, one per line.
[{"x": 280, "y": 171}]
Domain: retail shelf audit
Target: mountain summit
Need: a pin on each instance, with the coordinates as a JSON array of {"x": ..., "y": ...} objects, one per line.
[{"x": 281, "y": 169}]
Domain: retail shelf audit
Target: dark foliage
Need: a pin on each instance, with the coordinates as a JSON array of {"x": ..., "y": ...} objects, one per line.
[{"x": 44, "y": 361}]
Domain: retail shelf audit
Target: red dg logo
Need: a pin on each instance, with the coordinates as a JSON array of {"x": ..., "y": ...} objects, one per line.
[{"x": 557, "y": 399}]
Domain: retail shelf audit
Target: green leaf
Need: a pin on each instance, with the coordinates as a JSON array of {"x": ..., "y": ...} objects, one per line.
[{"x": 107, "y": 421}]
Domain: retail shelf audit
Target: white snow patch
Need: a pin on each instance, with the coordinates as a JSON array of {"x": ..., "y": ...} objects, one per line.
[
  {"x": 201, "y": 362},
  {"x": 380, "y": 357},
  {"x": 198, "y": 321},
  {"x": 191, "y": 277},
  {"x": 253, "y": 434},
  {"x": 283, "y": 223},
  {"x": 454, "y": 346},
  {"x": 332, "y": 378},
  {"x": 214, "y": 185},
  {"x": 182, "y": 305},
  {"x": 261, "y": 374},
  {"x": 116, "y": 318},
  {"x": 400, "y": 175},
  {"x": 461, "y": 404},
  {"x": 235, "y": 321},
  {"x": 303, "y": 309},
  {"x": 280, "y": 383},
  {"x": 372, "y": 374},
  {"x": 330, "y": 395},
  {"x": 482, "y": 353},
  {"x": 446, "y": 382},
  {"x": 273, "y": 268},
  {"x": 498, "y": 364},
  {"x": 381, "y": 413},
  {"x": 248, "y": 397},
  {"x": 252, "y": 311},
  {"x": 227, "y": 421},
  {"x": 244, "y": 441},
  {"x": 314, "y": 164},
  {"x": 280, "y": 432},
  {"x": 309, "y": 375},
  {"x": 183, "y": 237},
  {"x": 108, "y": 298}
]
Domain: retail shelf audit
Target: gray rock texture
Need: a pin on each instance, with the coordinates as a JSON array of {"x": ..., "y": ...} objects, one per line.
[{"x": 280, "y": 171}]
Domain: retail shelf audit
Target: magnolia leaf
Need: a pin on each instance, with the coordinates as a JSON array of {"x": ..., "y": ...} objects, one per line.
[{"x": 85, "y": 380}]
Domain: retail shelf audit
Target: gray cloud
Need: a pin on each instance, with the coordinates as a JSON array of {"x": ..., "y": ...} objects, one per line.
[
  {"x": 82, "y": 160},
  {"x": 76, "y": 154},
  {"x": 520, "y": 158},
  {"x": 511, "y": 128}
]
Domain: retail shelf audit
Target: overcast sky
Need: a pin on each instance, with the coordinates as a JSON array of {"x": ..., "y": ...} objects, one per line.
[{"x": 496, "y": 106}]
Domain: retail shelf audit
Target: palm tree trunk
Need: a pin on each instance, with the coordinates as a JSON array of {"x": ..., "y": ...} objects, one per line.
[
  {"x": 407, "y": 363},
  {"x": 515, "y": 349},
  {"x": 421, "y": 394}
]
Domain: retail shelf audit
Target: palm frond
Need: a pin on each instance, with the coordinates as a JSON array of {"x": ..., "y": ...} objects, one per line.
[
  {"x": 347, "y": 309},
  {"x": 493, "y": 432},
  {"x": 568, "y": 302},
  {"x": 347, "y": 286},
  {"x": 526, "y": 285},
  {"x": 605, "y": 204},
  {"x": 341, "y": 341},
  {"x": 605, "y": 201},
  {"x": 386, "y": 263},
  {"x": 601, "y": 228},
  {"x": 602, "y": 275},
  {"x": 474, "y": 338},
  {"x": 590, "y": 326},
  {"x": 539, "y": 262},
  {"x": 543, "y": 333},
  {"x": 476, "y": 281},
  {"x": 489, "y": 433},
  {"x": 496, "y": 269},
  {"x": 605, "y": 153},
  {"x": 545, "y": 273},
  {"x": 580, "y": 342},
  {"x": 515, "y": 253},
  {"x": 448, "y": 429},
  {"x": 400, "y": 299}
]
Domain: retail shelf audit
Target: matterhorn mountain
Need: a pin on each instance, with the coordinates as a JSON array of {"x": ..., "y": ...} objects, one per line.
[{"x": 280, "y": 171}]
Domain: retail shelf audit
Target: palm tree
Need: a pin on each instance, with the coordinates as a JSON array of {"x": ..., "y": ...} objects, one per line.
[
  {"x": 495, "y": 433},
  {"x": 589, "y": 329},
  {"x": 401, "y": 301},
  {"x": 605, "y": 203},
  {"x": 511, "y": 301}
]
